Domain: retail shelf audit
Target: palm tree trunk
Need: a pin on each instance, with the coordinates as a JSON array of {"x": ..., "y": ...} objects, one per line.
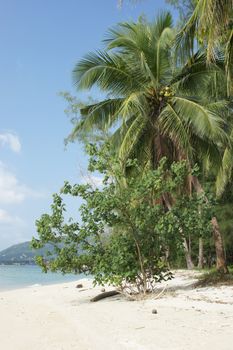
[
  {"x": 187, "y": 253},
  {"x": 217, "y": 236},
  {"x": 200, "y": 254},
  {"x": 219, "y": 247}
]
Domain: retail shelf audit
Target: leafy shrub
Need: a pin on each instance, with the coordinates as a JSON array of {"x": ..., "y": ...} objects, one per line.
[{"x": 125, "y": 230}]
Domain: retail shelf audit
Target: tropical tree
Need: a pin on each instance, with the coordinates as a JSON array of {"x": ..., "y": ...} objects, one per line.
[
  {"x": 155, "y": 106},
  {"x": 123, "y": 237},
  {"x": 211, "y": 24}
]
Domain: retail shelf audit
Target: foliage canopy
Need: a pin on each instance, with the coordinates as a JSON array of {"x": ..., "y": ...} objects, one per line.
[{"x": 125, "y": 232}]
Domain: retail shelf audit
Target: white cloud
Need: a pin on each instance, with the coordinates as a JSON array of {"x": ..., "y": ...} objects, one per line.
[
  {"x": 12, "y": 229},
  {"x": 11, "y": 140},
  {"x": 95, "y": 181},
  {"x": 11, "y": 191},
  {"x": 6, "y": 218}
]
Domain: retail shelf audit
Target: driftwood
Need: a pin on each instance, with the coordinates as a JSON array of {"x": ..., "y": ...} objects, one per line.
[{"x": 111, "y": 293}]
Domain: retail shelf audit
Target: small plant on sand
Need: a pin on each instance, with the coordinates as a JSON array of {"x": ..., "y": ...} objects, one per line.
[{"x": 213, "y": 278}]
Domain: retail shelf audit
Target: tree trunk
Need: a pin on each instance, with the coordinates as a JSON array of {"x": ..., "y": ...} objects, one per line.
[
  {"x": 188, "y": 257},
  {"x": 187, "y": 251},
  {"x": 167, "y": 255},
  {"x": 220, "y": 253},
  {"x": 111, "y": 293},
  {"x": 201, "y": 254},
  {"x": 218, "y": 241}
]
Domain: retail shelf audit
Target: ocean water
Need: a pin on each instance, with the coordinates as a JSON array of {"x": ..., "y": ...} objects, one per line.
[{"x": 16, "y": 276}]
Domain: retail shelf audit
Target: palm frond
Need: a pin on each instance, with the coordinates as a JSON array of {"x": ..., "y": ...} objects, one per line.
[
  {"x": 132, "y": 137},
  {"x": 225, "y": 172},
  {"x": 146, "y": 45},
  {"x": 185, "y": 39},
  {"x": 229, "y": 63},
  {"x": 108, "y": 72},
  {"x": 103, "y": 114},
  {"x": 172, "y": 125},
  {"x": 163, "y": 21},
  {"x": 208, "y": 24},
  {"x": 133, "y": 104},
  {"x": 203, "y": 121},
  {"x": 195, "y": 76}
]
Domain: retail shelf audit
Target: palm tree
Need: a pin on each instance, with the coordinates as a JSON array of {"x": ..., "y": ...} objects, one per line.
[
  {"x": 211, "y": 24},
  {"x": 156, "y": 107}
]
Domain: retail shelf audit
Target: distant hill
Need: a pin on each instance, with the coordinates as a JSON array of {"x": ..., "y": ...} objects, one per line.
[{"x": 22, "y": 253}]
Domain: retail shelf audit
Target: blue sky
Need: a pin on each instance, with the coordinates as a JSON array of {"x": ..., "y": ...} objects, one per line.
[{"x": 40, "y": 42}]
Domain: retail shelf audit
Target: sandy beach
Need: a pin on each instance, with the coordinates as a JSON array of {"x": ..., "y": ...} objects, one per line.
[{"x": 61, "y": 317}]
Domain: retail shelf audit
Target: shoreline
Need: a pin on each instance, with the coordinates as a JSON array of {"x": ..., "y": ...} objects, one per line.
[
  {"x": 25, "y": 276},
  {"x": 62, "y": 317},
  {"x": 42, "y": 285},
  {"x": 37, "y": 285}
]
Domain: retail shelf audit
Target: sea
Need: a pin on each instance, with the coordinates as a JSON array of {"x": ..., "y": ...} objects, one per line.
[{"x": 20, "y": 276}]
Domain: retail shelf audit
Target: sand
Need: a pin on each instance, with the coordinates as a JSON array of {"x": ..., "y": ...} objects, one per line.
[{"x": 61, "y": 317}]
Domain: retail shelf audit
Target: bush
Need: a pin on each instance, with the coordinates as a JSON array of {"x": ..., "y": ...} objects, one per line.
[{"x": 125, "y": 231}]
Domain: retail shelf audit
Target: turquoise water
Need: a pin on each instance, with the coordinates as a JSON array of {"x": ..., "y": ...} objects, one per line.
[{"x": 14, "y": 276}]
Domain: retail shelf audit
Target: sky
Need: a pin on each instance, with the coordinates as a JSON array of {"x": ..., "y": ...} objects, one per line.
[{"x": 40, "y": 42}]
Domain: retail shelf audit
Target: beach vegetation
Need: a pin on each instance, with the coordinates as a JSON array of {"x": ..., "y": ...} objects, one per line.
[
  {"x": 157, "y": 106},
  {"x": 126, "y": 237},
  {"x": 214, "y": 278},
  {"x": 161, "y": 136}
]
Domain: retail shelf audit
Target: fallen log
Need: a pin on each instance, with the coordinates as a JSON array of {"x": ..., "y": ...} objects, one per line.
[{"x": 100, "y": 296}]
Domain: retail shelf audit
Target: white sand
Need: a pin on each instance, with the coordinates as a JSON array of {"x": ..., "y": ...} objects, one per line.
[{"x": 60, "y": 317}]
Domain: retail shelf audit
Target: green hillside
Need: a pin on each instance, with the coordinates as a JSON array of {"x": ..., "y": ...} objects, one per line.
[{"x": 22, "y": 253}]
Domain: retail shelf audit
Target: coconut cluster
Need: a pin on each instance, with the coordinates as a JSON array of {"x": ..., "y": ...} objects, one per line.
[{"x": 166, "y": 92}]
